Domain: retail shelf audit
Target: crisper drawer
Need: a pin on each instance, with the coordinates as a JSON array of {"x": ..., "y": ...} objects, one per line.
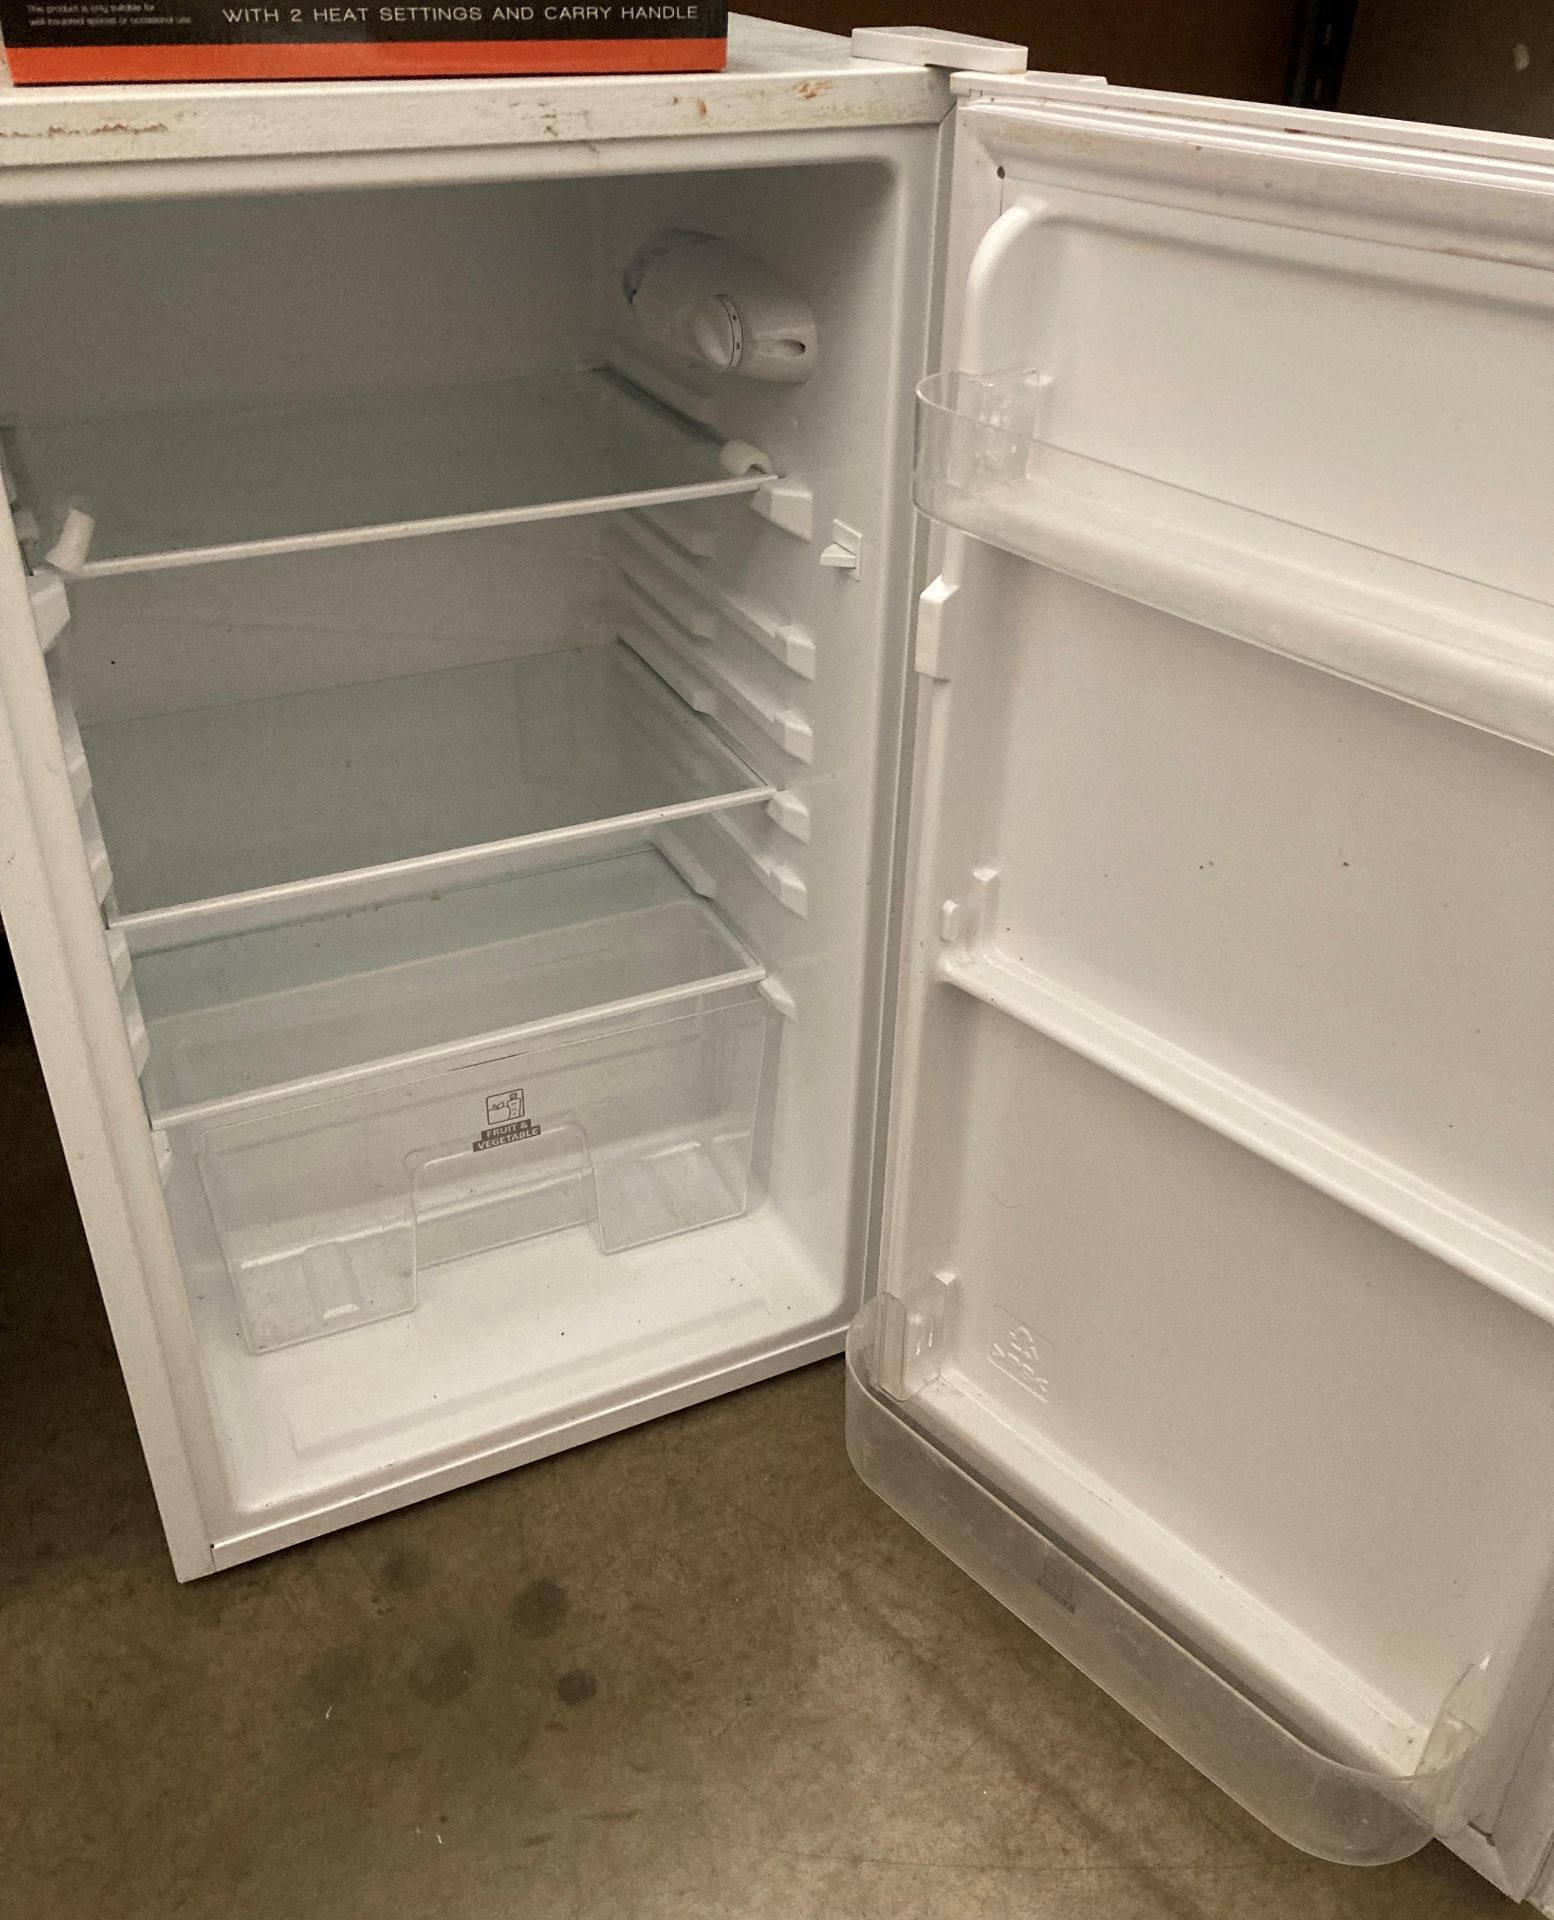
[{"x": 334, "y": 1213}]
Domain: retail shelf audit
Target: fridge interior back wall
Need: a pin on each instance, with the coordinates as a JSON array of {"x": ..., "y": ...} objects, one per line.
[{"x": 1212, "y": 1321}]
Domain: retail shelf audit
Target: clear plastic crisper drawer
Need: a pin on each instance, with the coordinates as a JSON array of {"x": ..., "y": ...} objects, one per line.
[{"x": 331, "y": 1215}]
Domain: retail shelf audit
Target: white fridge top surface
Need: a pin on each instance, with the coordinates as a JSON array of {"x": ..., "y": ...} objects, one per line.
[{"x": 778, "y": 79}]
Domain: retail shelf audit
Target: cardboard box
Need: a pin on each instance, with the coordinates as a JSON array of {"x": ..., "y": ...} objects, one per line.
[{"x": 74, "y": 42}]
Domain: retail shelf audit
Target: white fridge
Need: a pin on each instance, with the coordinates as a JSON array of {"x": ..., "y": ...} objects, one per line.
[{"x": 655, "y": 725}]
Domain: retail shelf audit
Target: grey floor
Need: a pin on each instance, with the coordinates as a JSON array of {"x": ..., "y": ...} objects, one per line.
[{"x": 693, "y": 1671}]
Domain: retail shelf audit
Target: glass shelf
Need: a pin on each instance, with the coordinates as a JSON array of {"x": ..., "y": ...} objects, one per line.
[
  {"x": 1309, "y": 1794},
  {"x": 1461, "y": 647},
  {"x": 142, "y": 493},
  {"x": 264, "y": 811}
]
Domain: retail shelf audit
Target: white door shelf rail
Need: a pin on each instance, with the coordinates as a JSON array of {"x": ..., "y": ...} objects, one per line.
[
  {"x": 1439, "y": 1223},
  {"x": 1457, "y": 646},
  {"x": 146, "y": 492}
]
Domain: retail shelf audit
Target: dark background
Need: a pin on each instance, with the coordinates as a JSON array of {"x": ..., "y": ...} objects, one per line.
[
  {"x": 1475, "y": 63},
  {"x": 1480, "y": 63}
]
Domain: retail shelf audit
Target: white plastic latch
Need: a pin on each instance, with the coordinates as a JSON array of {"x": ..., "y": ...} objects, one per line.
[
  {"x": 938, "y": 47},
  {"x": 982, "y": 906},
  {"x": 934, "y": 651},
  {"x": 845, "y": 551},
  {"x": 118, "y": 957},
  {"x": 790, "y": 812},
  {"x": 50, "y": 606},
  {"x": 69, "y": 551},
  {"x": 780, "y": 997},
  {"x": 788, "y": 504}
]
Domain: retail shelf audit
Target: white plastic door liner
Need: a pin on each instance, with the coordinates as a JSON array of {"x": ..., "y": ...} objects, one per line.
[{"x": 1216, "y": 1323}]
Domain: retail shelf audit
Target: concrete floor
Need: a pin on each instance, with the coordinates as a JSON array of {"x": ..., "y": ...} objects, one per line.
[{"x": 696, "y": 1670}]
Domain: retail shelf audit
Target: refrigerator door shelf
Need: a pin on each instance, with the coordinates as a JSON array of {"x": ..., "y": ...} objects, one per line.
[
  {"x": 986, "y": 464},
  {"x": 1341, "y": 1808}
]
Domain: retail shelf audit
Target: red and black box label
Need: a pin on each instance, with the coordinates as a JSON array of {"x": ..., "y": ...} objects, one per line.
[{"x": 86, "y": 40}]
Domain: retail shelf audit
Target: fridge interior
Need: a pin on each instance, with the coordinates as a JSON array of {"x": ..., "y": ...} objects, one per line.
[{"x": 488, "y": 796}]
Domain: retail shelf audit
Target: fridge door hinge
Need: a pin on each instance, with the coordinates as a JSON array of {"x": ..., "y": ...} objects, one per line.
[
  {"x": 934, "y": 651},
  {"x": 938, "y": 47}
]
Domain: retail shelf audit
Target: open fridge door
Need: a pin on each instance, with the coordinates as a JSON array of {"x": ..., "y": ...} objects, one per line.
[{"x": 1215, "y": 1330}]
